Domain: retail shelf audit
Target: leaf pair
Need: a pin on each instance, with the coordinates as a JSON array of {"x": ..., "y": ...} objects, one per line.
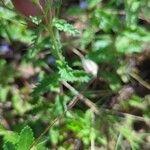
[{"x": 22, "y": 141}]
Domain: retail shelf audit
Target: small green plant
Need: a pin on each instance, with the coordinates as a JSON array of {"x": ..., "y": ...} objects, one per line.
[{"x": 68, "y": 81}]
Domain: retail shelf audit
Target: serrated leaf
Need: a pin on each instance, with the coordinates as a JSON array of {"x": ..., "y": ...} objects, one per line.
[
  {"x": 46, "y": 84},
  {"x": 26, "y": 139},
  {"x": 64, "y": 26},
  {"x": 11, "y": 137},
  {"x": 65, "y": 71},
  {"x": 68, "y": 74},
  {"x": 73, "y": 76},
  {"x": 81, "y": 76},
  {"x": 9, "y": 146},
  {"x": 132, "y": 41}
]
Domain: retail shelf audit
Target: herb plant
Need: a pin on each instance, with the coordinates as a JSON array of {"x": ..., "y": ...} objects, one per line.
[{"x": 72, "y": 75}]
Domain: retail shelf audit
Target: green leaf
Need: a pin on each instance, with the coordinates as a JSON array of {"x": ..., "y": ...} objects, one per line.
[
  {"x": 19, "y": 105},
  {"x": 36, "y": 2},
  {"x": 68, "y": 74},
  {"x": 132, "y": 41},
  {"x": 3, "y": 93},
  {"x": 48, "y": 83},
  {"x": 26, "y": 138},
  {"x": 54, "y": 136},
  {"x": 106, "y": 20},
  {"x": 81, "y": 76},
  {"x": 2, "y": 130},
  {"x": 9, "y": 146},
  {"x": 62, "y": 25},
  {"x": 112, "y": 79},
  {"x": 11, "y": 137},
  {"x": 39, "y": 146},
  {"x": 132, "y": 8},
  {"x": 92, "y": 3}
]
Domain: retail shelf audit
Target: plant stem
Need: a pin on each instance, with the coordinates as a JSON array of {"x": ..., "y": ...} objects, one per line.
[
  {"x": 118, "y": 141},
  {"x": 53, "y": 34}
]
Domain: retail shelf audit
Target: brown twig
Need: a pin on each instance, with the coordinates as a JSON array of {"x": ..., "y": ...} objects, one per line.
[
  {"x": 89, "y": 103},
  {"x": 140, "y": 80},
  {"x": 124, "y": 115}
]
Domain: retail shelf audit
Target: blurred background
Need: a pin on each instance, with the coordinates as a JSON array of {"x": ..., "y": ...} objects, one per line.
[{"x": 115, "y": 37}]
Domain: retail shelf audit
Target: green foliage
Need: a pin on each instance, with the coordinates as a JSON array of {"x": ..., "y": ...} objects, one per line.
[
  {"x": 62, "y": 25},
  {"x": 115, "y": 35},
  {"x": 8, "y": 146},
  {"x": 81, "y": 124},
  {"x": 68, "y": 74},
  {"x": 22, "y": 141},
  {"x": 11, "y": 29},
  {"x": 6, "y": 72},
  {"x": 92, "y": 3},
  {"x": 9, "y": 136},
  {"x": 132, "y": 41},
  {"x": 26, "y": 139},
  {"x": 133, "y": 138},
  {"x": 48, "y": 83}
]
